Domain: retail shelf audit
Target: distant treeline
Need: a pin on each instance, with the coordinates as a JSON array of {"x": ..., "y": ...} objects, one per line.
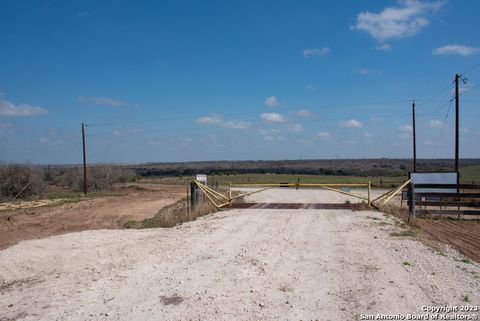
[
  {"x": 146, "y": 172},
  {"x": 342, "y": 167},
  {"x": 31, "y": 181}
]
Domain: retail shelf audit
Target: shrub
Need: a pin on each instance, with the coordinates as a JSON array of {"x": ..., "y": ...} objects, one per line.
[
  {"x": 98, "y": 177},
  {"x": 21, "y": 181}
]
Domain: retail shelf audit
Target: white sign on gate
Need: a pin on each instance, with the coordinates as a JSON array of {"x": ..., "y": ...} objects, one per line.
[
  {"x": 202, "y": 178},
  {"x": 434, "y": 178}
]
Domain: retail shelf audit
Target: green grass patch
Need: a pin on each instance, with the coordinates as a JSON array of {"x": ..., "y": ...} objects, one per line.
[
  {"x": 466, "y": 261},
  {"x": 413, "y": 232},
  {"x": 224, "y": 180},
  {"x": 469, "y": 174},
  {"x": 172, "y": 215}
]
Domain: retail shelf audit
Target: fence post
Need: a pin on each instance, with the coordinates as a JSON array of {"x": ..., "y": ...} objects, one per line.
[
  {"x": 411, "y": 201},
  {"x": 188, "y": 202},
  {"x": 193, "y": 195},
  {"x": 298, "y": 183},
  {"x": 369, "y": 193}
]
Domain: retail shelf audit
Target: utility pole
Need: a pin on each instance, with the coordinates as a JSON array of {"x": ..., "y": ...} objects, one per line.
[
  {"x": 414, "y": 139},
  {"x": 457, "y": 77},
  {"x": 84, "y": 162}
]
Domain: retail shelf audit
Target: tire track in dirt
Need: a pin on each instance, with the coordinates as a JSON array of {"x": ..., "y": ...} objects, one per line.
[{"x": 463, "y": 235}]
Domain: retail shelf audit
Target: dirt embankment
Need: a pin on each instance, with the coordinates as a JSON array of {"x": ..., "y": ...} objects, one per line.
[{"x": 96, "y": 213}]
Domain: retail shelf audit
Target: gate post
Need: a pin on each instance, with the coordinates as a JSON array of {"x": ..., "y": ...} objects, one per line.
[
  {"x": 369, "y": 193},
  {"x": 193, "y": 195},
  {"x": 411, "y": 201}
]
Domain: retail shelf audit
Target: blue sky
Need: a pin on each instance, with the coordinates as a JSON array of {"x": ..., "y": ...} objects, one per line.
[{"x": 214, "y": 80}]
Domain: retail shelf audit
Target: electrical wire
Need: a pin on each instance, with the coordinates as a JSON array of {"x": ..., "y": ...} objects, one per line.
[
  {"x": 470, "y": 69},
  {"x": 429, "y": 100},
  {"x": 442, "y": 129},
  {"x": 437, "y": 109}
]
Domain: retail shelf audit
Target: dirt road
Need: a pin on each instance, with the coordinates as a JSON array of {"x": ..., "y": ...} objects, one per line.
[
  {"x": 242, "y": 264},
  {"x": 95, "y": 213}
]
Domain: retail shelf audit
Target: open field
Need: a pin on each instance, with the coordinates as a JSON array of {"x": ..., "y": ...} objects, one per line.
[
  {"x": 21, "y": 221},
  {"x": 224, "y": 180},
  {"x": 468, "y": 174},
  {"x": 237, "y": 265}
]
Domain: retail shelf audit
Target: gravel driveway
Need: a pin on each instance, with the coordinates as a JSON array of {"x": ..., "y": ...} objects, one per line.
[{"x": 242, "y": 264}]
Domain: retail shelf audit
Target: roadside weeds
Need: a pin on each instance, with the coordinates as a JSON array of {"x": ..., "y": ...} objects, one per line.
[{"x": 172, "y": 215}]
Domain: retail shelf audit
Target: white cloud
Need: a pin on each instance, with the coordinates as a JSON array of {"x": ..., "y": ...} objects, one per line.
[
  {"x": 271, "y": 101},
  {"x": 9, "y": 109},
  {"x": 404, "y": 20},
  {"x": 185, "y": 141},
  {"x": 351, "y": 123},
  {"x": 271, "y": 134},
  {"x": 366, "y": 72},
  {"x": 269, "y": 138},
  {"x": 323, "y": 135},
  {"x": 367, "y": 135},
  {"x": 384, "y": 47},
  {"x": 273, "y": 117},
  {"x": 302, "y": 113},
  {"x": 296, "y": 128},
  {"x": 311, "y": 87},
  {"x": 82, "y": 14},
  {"x": 459, "y": 50},
  {"x": 312, "y": 52},
  {"x": 210, "y": 120},
  {"x": 105, "y": 101},
  {"x": 436, "y": 123},
  {"x": 44, "y": 140},
  {"x": 237, "y": 124},
  {"x": 218, "y": 120},
  {"x": 405, "y": 129}
]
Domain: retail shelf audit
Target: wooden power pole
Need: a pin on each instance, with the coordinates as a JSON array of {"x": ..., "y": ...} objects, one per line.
[
  {"x": 457, "y": 77},
  {"x": 84, "y": 162},
  {"x": 414, "y": 139}
]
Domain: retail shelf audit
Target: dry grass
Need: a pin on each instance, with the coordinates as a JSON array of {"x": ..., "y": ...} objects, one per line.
[
  {"x": 398, "y": 212},
  {"x": 174, "y": 214},
  {"x": 410, "y": 228}
]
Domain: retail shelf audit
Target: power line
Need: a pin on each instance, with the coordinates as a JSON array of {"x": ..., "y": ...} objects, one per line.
[
  {"x": 437, "y": 109},
  {"x": 442, "y": 129},
  {"x": 426, "y": 101},
  {"x": 469, "y": 90},
  {"x": 470, "y": 69}
]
